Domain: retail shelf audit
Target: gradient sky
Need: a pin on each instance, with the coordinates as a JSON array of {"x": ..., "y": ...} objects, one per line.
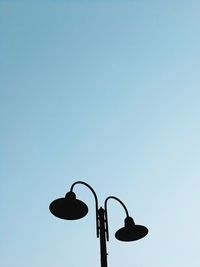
[{"x": 106, "y": 92}]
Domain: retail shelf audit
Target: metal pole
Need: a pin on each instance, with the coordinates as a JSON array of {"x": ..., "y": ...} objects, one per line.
[{"x": 101, "y": 213}]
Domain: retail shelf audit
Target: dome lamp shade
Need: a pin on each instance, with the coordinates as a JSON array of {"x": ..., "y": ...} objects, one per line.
[
  {"x": 131, "y": 231},
  {"x": 69, "y": 207}
]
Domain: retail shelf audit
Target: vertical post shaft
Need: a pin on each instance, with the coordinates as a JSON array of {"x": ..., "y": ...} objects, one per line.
[{"x": 101, "y": 213}]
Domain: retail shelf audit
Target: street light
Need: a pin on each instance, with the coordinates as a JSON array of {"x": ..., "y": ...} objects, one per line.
[{"x": 71, "y": 208}]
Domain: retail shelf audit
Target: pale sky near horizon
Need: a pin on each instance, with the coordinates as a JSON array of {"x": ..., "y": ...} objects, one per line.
[{"x": 106, "y": 92}]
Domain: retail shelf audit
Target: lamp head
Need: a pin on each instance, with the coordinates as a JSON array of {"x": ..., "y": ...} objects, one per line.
[
  {"x": 68, "y": 208},
  {"x": 131, "y": 231}
]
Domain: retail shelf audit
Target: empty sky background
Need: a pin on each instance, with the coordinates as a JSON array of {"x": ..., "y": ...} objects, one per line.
[{"x": 107, "y": 92}]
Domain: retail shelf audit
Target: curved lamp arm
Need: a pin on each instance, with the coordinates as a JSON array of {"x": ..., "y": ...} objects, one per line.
[
  {"x": 106, "y": 214},
  {"x": 96, "y": 201}
]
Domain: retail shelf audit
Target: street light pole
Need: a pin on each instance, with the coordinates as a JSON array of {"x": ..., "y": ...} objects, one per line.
[
  {"x": 102, "y": 228},
  {"x": 71, "y": 208}
]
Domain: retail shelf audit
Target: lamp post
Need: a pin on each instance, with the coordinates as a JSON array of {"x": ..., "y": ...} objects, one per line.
[{"x": 71, "y": 208}]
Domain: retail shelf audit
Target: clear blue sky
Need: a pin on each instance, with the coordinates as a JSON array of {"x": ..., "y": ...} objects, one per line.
[{"x": 106, "y": 92}]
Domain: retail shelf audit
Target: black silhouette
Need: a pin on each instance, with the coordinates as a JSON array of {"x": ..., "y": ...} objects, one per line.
[{"x": 70, "y": 208}]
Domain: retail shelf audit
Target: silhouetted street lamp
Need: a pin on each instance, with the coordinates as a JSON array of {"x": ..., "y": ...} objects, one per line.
[{"x": 71, "y": 208}]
